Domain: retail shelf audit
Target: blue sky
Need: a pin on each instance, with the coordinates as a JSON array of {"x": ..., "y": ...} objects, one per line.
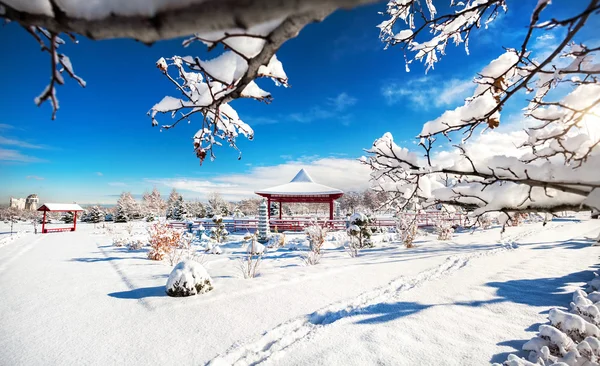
[{"x": 346, "y": 91}]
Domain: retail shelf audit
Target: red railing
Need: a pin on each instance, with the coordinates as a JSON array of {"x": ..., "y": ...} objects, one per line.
[{"x": 299, "y": 223}]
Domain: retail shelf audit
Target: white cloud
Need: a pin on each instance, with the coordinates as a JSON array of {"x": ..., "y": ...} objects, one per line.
[
  {"x": 99, "y": 174},
  {"x": 342, "y": 101},
  {"x": 426, "y": 91},
  {"x": 18, "y": 143},
  {"x": 345, "y": 174},
  {"x": 333, "y": 109},
  {"x": 4, "y": 126},
  {"x": 117, "y": 184},
  {"x": 35, "y": 177},
  {"x": 16, "y": 156}
]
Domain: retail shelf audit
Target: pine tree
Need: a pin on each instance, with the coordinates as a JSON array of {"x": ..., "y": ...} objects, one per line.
[
  {"x": 179, "y": 212},
  {"x": 121, "y": 214},
  {"x": 153, "y": 204},
  {"x": 68, "y": 217},
  {"x": 360, "y": 231},
  {"x": 96, "y": 215},
  {"x": 173, "y": 198}
]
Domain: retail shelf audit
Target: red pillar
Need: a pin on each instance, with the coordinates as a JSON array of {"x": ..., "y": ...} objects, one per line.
[
  {"x": 74, "y": 220},
  {"x": 269, "y": 209},
  {"x": 279, "y": 210},
  {"x": 331, "y": 209},
  {"x": 44, "y": 223}
]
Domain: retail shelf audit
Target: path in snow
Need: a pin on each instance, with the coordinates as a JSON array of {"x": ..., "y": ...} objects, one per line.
[{"x": 355, "y": 332}]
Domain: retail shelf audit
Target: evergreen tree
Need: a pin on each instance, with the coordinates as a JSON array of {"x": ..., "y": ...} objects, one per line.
[
  {"x": 68, "y": 217},
  {"x": 96, "y": 215},
  {"x": 179, "y": 212},
  {"x": 121, "y": 213},
  {"x": 173, "y": 198}
]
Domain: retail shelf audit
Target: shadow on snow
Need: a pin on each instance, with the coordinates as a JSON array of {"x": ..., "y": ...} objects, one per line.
[{"x": 140, "y": 293}]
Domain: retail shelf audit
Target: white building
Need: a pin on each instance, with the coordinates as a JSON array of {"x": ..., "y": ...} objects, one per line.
[{"x": 30, "y": 203}]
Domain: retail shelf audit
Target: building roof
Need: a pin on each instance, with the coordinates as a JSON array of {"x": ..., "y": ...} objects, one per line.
[
  {"x": 301, "y": 185},
  {"x": 60, "y": 207}
]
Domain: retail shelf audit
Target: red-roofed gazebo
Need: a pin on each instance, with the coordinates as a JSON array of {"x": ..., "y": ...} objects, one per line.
[
  {"x": 301, "y": 189},
  {"x": 60, "y": 207}
]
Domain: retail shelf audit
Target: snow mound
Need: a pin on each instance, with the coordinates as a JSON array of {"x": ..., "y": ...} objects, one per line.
[
  {"x": 188, "y": 278},
  {"x": 255, "y": 248}
]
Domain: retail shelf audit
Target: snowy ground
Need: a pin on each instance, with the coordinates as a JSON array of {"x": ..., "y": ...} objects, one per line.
[{"x": 72, "y": 298}]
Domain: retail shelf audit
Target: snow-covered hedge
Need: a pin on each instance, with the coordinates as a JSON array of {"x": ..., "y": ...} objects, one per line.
[
  {"x": 571, "y": 338},
  {"x": 188, "y": 278}
]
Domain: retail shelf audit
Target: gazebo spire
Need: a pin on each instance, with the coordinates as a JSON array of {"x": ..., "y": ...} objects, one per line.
[{"x": 302, "y": 176}]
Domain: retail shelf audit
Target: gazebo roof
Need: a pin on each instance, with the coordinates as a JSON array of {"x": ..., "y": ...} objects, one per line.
[
  {"x": 61, "y": 207},
  {"x": 301, "y": 185}
]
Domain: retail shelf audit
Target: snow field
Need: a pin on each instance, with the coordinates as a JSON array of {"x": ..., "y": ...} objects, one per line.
[{"x": 77, "y": 295}]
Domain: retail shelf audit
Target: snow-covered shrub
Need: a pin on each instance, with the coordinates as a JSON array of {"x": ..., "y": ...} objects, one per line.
[
  {"x": 594, "y": 283},
  {"x": 359, "y": 230},
  {"x": 213, "y": 247},
  {"x": 351, "y": 247},
  {"x": 119, "y": 241},
  {"x": 316, "y": 235},
  {"x": 163, "y": 240},
  {"x": 485, "y": 221},
  {"x": 589, "y": 349},
  {"x": 407, "y": 230},
  {"x": 518, "y": 218},
  {"x": 585, "y": 308},
  {"x": 444, "y": 229},
  {"x": 311, "y": 258},
  {"x": 188, "y": 278},
  {"x": 218, "y": 233},
  {"x": 276, "y": 240},
  {"x": 250, "y": 263},
  {"x": 135, "y": 245},
  {"x": 573, "y": 325},
  {"x": 594, "y": 296}
]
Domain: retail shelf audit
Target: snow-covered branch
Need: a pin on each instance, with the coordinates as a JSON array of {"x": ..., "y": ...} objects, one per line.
[
  {"x": 152, "y": 21},
  {"x": 559, "y": 163}
]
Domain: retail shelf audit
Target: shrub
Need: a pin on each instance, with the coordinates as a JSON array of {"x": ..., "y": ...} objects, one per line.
[
  {"x": 188, "y": 278},
  {"x": 135, "y": 245},
  {"x": 316, "y": 235},
  {"x": 218, "y": 233},
  {"x": 163, "y": 240},
  {"x": 250, "y": 263},
  {"x": 444, "y": 229},
  {"x": 485, "y": 221},
  {"x": 359, "y": 230},
  {"x": 407, "y": 230}
]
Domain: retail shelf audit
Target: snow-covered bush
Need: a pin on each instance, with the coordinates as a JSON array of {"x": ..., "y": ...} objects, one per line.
[
  {"x": 276, "y": 240},
  {"x": 188, "y": 278},
  {"x": 119, "y": 241},
  {"x": 359, "y": 230},
  {"x": 163, "y": 240},
  {"x": 213, "y": 247},
  {"x": 485, "y": 221},
  {"x": 249, "y": 264},
  {"x": 407, "y": 230},
  {"x": 316, "y": 235},
  {"x": 585, "y": 307},
  {"x": 595, "y": 283},
  {"x": 351, "y": 247},
  {"x": 135, "y": 245},
  {"x": 571, "y": 339},
  {"x": 444, "y": 229},
  {"x": 218, "y": 233}
]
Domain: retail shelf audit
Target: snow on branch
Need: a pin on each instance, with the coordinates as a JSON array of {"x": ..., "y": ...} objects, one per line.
[
  {"x": 208, "y": 86},
  {"x": 59, "y": 64},
  {"x": 420, "y": 17},
  {"x": 558, "y": 166},
  {"x": 151, "y": 21}
]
